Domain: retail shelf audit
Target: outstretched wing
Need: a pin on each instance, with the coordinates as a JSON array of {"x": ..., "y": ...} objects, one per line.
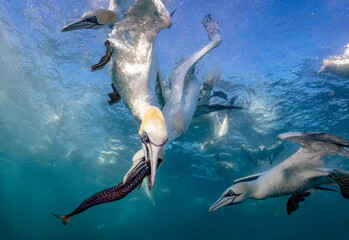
[
  {"x": 120, "y": 6},
  {"x": 144, "y": 17},
  {"x": 249, "y": 154},
  {"x": 205, "y": 109},
  {"x": 304, "y": 138},
  {"x": 314, "y": 146},
  {"x": 273, "y": 151}
]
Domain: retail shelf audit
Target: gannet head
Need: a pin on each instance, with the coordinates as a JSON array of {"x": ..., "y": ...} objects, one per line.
[
  {"x": 154, "y": 135},
  {"x": 233, "y": 195},
  {"x": 94, "y": 19},
  {"x": 262, "y": 148}
]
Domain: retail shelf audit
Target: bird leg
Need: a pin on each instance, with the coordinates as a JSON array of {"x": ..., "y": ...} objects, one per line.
[
  {"x": 114, "y": 96},
  {"x": 105, "y": 59}
]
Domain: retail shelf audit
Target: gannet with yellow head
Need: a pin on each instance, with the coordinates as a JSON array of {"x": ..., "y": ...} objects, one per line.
[
  {"x": 181, "y": 104},
  {"x": 134, "y": 67}
]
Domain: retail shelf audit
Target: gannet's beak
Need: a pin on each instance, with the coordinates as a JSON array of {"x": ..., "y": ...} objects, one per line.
[
  {"x": 221, "y": 202},
  {"x": 83, "y": 23},
  {"x": 151, "y": 153}
]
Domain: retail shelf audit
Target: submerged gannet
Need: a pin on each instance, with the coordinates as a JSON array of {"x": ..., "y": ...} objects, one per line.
[
  {"x": 262, "y": 154},
  {"x": 204, "y": 111},
  {"x": 337, "y": 65},
  {"x": 181, "y": 104},
  {"x": 134, "y": 67},
  {"x": 297, "y": 176}
]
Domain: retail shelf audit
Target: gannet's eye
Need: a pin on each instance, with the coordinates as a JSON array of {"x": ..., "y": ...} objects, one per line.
[
  {"x": 230, "y": 193},
  {"x": 145, "y": 137},
  {"x": 93, "y": 19}
]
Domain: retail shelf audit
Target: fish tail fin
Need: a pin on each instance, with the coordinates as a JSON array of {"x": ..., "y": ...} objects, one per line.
[
  {"x": 65, "y": 218},
  {"x": 342, "y": 179}
]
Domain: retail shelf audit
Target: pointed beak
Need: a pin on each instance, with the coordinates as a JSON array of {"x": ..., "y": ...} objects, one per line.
[
  {"x": 80, "y": 24},
  {"x": 151, "y": 153},
  {"x": 221, "y": 202}
]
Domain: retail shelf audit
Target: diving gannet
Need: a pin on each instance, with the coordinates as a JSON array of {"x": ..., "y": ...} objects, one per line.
[
  {"x": 337, "y": 65},
  {"x": 262, "y": 154},
  {"x": 186, "y": 100},
  {"x": 207, "y": 112},
  {"x": 134, "y": 69},
  {"x": 298, "y": 175},
  {"x": 181, "y": 104}
]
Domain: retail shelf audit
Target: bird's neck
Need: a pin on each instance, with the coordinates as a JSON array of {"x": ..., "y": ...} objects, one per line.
[
  {"x": 143, "y": 108},
  {"x": 255, "y": 190}
]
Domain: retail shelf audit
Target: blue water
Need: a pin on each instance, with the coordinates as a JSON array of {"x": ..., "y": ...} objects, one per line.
[{"x": 60, "y": 141}]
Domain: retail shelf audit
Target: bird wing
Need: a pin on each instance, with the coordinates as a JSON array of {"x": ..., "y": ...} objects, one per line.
[
  {"x": 205, "y": 109},
  {"x": 304, "y": 138},
  {"x": 144, "y": 17},
  {"x": 250, "y": 154},
  {"x": 120, "y": 6},
  {"x": 273, "y": 151},
  {"x": 249, "y": 178},
  {"x": 314, "y": 146}
]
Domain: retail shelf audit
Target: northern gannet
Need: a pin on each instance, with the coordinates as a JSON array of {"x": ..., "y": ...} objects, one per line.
[
  {"x": 181, "y": 104},
  {"x": 99, "y": 18},
  {"x": 298, "y": 175},
  {"x": 184, "y": 93},
  {"x": 134, "y": 67},
  {"x": 262, "y": 154},
  {"x": 337, "y": 65},
  {"x": 218, "y": 129},
  {"x": 206, "y": 112}
]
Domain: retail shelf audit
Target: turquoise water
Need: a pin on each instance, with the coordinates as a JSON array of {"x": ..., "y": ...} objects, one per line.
[{"x": 60, "y": 141}]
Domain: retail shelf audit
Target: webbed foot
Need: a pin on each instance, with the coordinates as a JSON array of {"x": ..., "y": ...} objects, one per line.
[
  {"x": 114, "y": 97},
  {"x": 105, "y": 59},
  {"x": 211, "y": 27},
  {"x": 293, "y": 202}
]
